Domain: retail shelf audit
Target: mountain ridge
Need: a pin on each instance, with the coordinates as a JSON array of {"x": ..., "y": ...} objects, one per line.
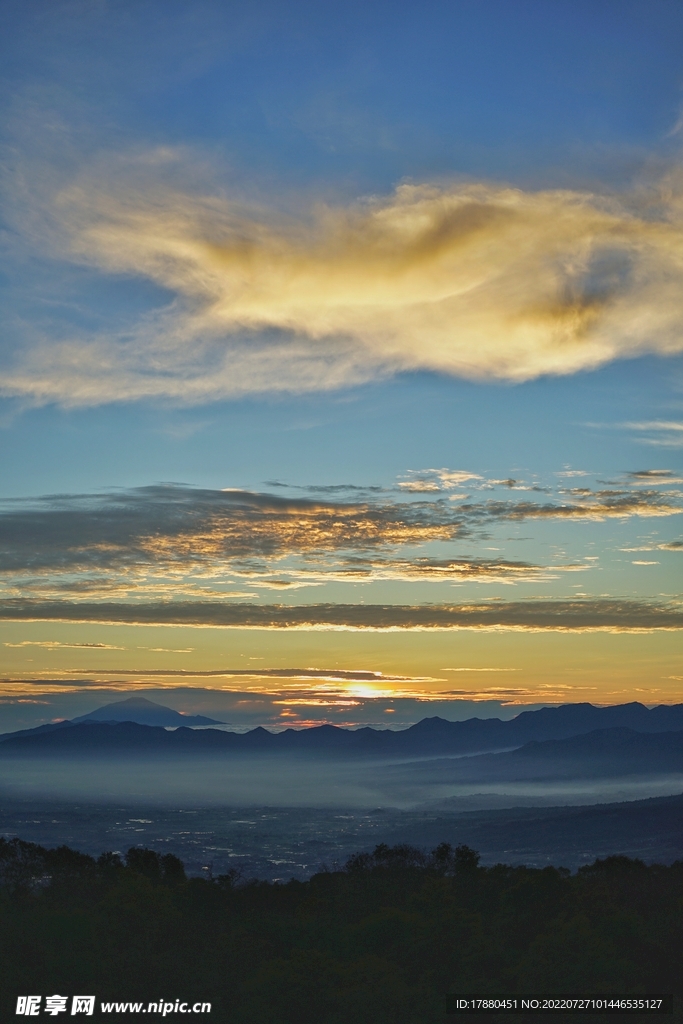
[
  {"x": 144, "y": 712},
  {"x": 616, "y": 744},
  {"x": 430, "y": 737}
]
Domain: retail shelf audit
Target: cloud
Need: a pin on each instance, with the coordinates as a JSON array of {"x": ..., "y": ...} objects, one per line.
[
  {"x": 587, "y": 505},
  {"x": 424, "y": 481},
  {"x": 660, "y": 433},
  {"x": 168, "y": 650},
  {"x": 614, "y": 615},
  {"x": 671, "y": 545},
  {"x": 299, "y": 678},
  {"x": 656, "y": 425},
  {"x": 174, "y": 523},
  {"x": 473, "y": 570},
  {"x": 661, "y": 476},
  {"x": 56, "y": 644},
  {"x": 474, "y": 280},
  {"x": 185, "y": 543},
  {"x": 344, "y": 703}
]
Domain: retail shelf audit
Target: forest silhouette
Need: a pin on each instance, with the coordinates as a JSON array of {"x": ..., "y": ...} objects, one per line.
[{"x": 381, "y": 939}]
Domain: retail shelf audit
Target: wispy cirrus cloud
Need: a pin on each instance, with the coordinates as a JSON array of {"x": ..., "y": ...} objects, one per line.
[
  {"x": 475, "y": 280},
  {"x": 656, "y": 425},
  {"x": 658, "y": 433},
  {"x": 655, "y": 433}
]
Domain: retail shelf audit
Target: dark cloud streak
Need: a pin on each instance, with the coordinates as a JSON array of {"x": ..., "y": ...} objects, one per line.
[{"x": 611, "y": 614}]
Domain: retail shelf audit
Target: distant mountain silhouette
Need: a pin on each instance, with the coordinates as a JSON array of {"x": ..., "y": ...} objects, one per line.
[
  {"x": 603, "y": 753},
  {"x": 429, "y": 738},
  {"x": 613, "y": 750},
  {"x": 144, "y": 712},
  {"x": 605, "y": 742}
]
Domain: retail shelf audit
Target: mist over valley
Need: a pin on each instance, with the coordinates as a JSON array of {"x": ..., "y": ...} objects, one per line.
[{"x": 531, "y": 778}]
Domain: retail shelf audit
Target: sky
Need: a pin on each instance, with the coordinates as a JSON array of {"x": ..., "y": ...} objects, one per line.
[{"x": 341, "y": 371}]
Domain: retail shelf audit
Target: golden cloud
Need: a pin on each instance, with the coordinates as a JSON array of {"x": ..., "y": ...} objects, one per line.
[
  {"x": 185, "y": 543},
  {"x": 475, "y": 280},
  {"x": 591, "y": 505}
]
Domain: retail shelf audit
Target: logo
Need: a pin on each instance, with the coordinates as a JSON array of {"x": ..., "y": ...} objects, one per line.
[{"x": 29, "y": 1006}]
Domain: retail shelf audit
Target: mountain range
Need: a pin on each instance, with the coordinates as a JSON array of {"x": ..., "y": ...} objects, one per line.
[
  {"x": 430, "y": 737},
  {"x": 433, "y": 751}
]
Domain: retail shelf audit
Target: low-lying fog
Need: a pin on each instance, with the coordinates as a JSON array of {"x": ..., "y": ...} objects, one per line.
[{"x": 301, "y": 782}]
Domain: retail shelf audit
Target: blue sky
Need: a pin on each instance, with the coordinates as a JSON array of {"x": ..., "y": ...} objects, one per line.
[{"x": 428, "y": 258}]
